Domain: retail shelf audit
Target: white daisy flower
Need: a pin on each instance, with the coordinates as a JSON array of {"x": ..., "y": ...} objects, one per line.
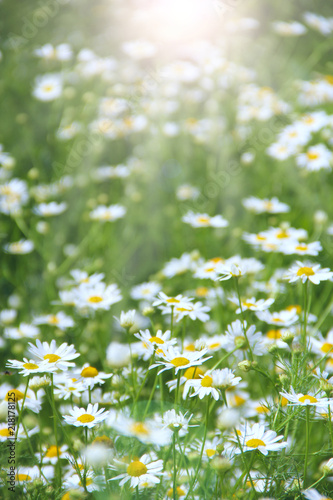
[
  {"x": 98, "y": 296},
  {"x": 173, "y": 358},
  {"x": 289, "y": 29},
  {"x": 90, "y": 376},
  {"x": 86, "y": 418},
  {"x": 301, "y": 399},
  {"x": 49, "y": 454},
  {"x": 145, "y": 291},
  {"x": 259, "y": 206},
  {"x": 187, "y": 192},
  {"x": 301, "y": 248},
  {"x": 50, "y": 209},
  {"x": 308, "y": 272},
  {"x": 251, "y": 304},
  {"x": 140, "y": 471},
  {"x": 175, "y": 421},
  {"x": 204, "y": 220},
  {"x": 316, "y": 158},
  {"x": 256, "y": 437},
  {"x": 48, "y": 87},
  {"x": 29, "y": 367},
  {"x": 282, "y": 318},
  {"x": 108, "y": 214},
  {"x": 70, "y": 388},
  {"x": 210, "y": 382},
  {"x": 60, "y": 320},
  {"x": 60, "y": 357},
  {"x": 313, "y": 494},
  {"x": 20, "y": 247},
  {"x": 23, "y": 331},
  {"x": 6, "y": 432},
  {"x": 156, "y": 342},
  {"x": 235, "y": 337}
]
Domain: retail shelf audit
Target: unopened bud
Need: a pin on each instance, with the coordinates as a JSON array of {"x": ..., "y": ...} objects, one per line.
[
  {"x": 288, "y": 337},
  {"x": 245, "y": 365},
  {"x": 221, "y": 464}
]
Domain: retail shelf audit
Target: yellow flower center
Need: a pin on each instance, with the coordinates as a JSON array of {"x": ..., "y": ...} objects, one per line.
[
  {"x": 18, "y": 395},
  {"x": 273, "y": 334},
  {"x": 22, "y": 477},
  {"x": 52, "y": 452},
  {"x": 6, "y": 432},
  {"x": 89, "y": 372},
  {"x": 210, "y": 453},
  {"x": 179, "y": 492},
  {"x": 312, "y": 156},
  {"x": 190, "y": 347},
  {"x": 326, "y": 347},
  {"x": 262, "y": 409},
  {"x": 95, "y": 299},
  {"x": 180, "y": 361},
  {"x": 53, "y": 320},
  {"x": 203, "y": 220},
  {"x": 255, "y": 443},
  {"x": 214, "y": 345},
  {"x": 308, "y": 398},
  {"x": 268, "y": 205},
  {"x": 239, "y": 401},
  {"x": 157, "y": 340},
  {"x": 136, "y": 469},
  {"x": 261, "y": 238},
  {"x": 282, "y": 234},
  {"x": 139, "y": 428},
  {"x": 302, "y": 247},
  {"x": 48, "y": 88},
  {"x": 307, "y": 271},
  {"x": 207, "y": 381},
  {"x": 85, "y": 418},
  {"x": 52, "y": 358},
  {"x": 193, "y": 372},
  {"x": 202, "y": 291},
  {"x": 172, "y": 300},
  {"x": 183, "y": 309},
  {"x": 295, "y": 306},
  {"x": 284, "y": 401},
  {"x": 30, "y": 366},
  {"x": 248, "y": 304}
]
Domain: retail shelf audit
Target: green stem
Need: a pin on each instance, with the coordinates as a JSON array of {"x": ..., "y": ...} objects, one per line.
[
  {"x": 243, "y": 320},
  {"x": 307, "y": 438},
  {"x": 55, "y": 429},
  {"x": 201, "y": 452},
  {"x": 305, "y": 311},
  {"x": 174, "y": 488},
  {"x": 330, "y": 425},
  {"x": 151, "y": 396},
  {"x": 21, "y": 410}
]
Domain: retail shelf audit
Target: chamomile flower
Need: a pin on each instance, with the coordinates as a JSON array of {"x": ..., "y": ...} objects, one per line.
[
  {"x": 286, "y": 317},
  {"x": 50, "y": 209},
  {"x": 24, "y": 330},
  {"x": 251, "y": 304},
  {"x": 146, "y": 291},
  {"x": 204, "y": 220},
  {"x": 321, "y": 345},
  {"x": 140, "y": 471},
  {"x": 50, "y": 454},
  {"x": 20, "y": 247},
  {"x": 235, "y": 338},
  {"x": 301, "y": 399},
  {"x": 98, "y": 296},
  {"x": 317, "y": 157},
  {"x": 173, "y": 358},
  {"x": 90, "y": 376},
  {"x": 108, "y": 214},
  {"x": 60, "y": 320},
  {"x": 165, "y": 300},
  {"x": 256, "y": 437},
  {"x": 60, "y": 357},
  {"x": 308, "y": 271},
  {"x": 6, "y": 432},
  {"x": 48, "y": 87},
  {"x": 29, "y": 367},
  {"x": 313, "y": 494},
  {"x": 191, "y": 310},
  {"x": 176, "y": 421},
  {"x": 90, "y": 417},
  {"x": 210, "y": 383},
  {"x": 272, "y": 206},
  {"x": 158, "y": 341}
]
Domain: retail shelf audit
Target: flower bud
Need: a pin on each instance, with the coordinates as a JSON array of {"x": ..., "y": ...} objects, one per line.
[{"x": 245, "y": 365}]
